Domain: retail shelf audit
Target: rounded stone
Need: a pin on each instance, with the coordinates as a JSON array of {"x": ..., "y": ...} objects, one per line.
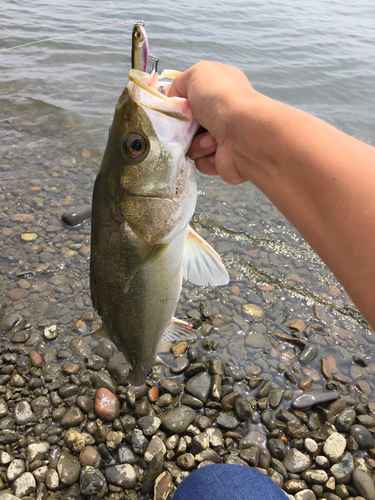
[
  {"x": 68, "y": 468},
  {"x": 50, "y": 332},
  {"x": 72, "y": 418},
  {"x": 106, "y": 405},
  {"x": 364, "y": 484},
  {"x": 74, "y": 440},
  {"x": 334, "y": 447},
  {"x": 253, "y": 311},
  {"x": 121, "y": 475},
  {"x": 90, "y": 456},
  {"x": 362, "y": 436},
  {"x": 24, "y": 485},
  {"x": 177, "y": 420},
  {"x": 296, "y": 462},
  {"x": 92, "y": 482}
]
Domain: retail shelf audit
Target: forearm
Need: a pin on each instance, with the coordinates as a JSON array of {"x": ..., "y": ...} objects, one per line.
[{"x": 322, "y": 180}]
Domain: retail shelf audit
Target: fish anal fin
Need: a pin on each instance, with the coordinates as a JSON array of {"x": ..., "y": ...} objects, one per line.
[
  {"x": 102, "y": 332},
  {"x": 179, "y": 330},
  {"x": 202, "y": 264}
]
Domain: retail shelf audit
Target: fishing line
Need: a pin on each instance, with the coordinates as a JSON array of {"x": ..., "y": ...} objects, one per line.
[{"x": 118, "y": 23}]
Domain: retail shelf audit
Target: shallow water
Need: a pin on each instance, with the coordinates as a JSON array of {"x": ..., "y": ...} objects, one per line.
[{"x": 57, "y": 100}]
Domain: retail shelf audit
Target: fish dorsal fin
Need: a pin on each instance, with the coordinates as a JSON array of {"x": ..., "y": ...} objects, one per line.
[
  {"x": 179, "y": 330},
  {"x": 202, "y": 265}
]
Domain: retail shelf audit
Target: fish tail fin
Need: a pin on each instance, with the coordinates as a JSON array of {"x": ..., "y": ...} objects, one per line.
[{"x": 136, "y": 377}]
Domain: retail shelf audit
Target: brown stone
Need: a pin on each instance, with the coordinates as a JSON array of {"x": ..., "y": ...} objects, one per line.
[
  {"x": 36, "y": 359},
  {"x": 89, "y": 316},
  {"x": 342, "y": 378},
  {"x": 296, "y": 324},
  {"x": 85, "y": 403},
  {"x": 17, "y": 293},
  {"x": 153, "y": 394},
  {"x": 80, "y": 327},
  {"x": 253, "y": 370},
  {"x": 305, "y": 383},
  {"x": 21, "y": 337},
  {"x": 106, "y": 405},
  {"x": 315, "y": 338},
  {"x": 325, "y": 369},
  {"x": 179, "y": 348},
  {"x": 84, "y": 251},
  {"x": 363, "y": 386},
  {"x": 22, "y": 218},
  {"x": 71, "y": 368},
  {"x": 332, "y": 364},
  {"x": 341, "y": 333}
]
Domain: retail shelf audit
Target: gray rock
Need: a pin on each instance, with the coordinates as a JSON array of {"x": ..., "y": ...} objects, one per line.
[
  {"x": 296, "y": 462},
  {"x": 362, "y": 436},
  {"x": 80, "y": 348},
  {"x": 8, "y": 436},
  {"x": 342, "y": 471},
  {"x": 149, "y": 425},
  {"x": 23, "y": 413},
  {"x": 126, "y": 455},
  {"x": 68, "y": 468},
  {"x": 39, "y": 404},
  {"x": 364, "y": 484},
  {"x": 312, "y": 398},
  {"x": 177, "y": 420},
  {"x": 305, "y": 495},
  {"x": 103, "y": 379},
  {"x": 72, "y": 418},
  {"x": 68, "y": 390},
  {"x": 92, "y": 482},
  {"x": 121, "y": 475},
  {"x": 155, "y": 447},
  {"x": 105, "y": 350},
  {"x": 24, "y": 485},
  {"x": 118, "y": 368},
  {"x": 345, "y": 419},
  {"x": 139, "y": 441},
  {"x": 199, "y": 386},
  {"x": 7, "y": 323},
  {"x": 227, "y": 421},
  {"x": 308, "y": 354},
  {"x": 276, "y": 395}
]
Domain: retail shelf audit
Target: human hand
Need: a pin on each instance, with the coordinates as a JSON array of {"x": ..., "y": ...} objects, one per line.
[{"x": 216, "y": 93}]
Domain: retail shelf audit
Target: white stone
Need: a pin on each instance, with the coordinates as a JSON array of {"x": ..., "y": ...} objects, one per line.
[
  {"x": 37, "y": 451},
  {"x": 305, "y": 495},
  {"x": 296, "y": 462},
  {"x": 310, "y": 445},
  {"x": 5, "y": 458},
  {"x": 40, "y": 473},
  {"x": 155, "y": 447},
  {"x": 50, "y": 332},
  {"x": 52, "y": 480},
  {"x": 3, "y": 408},
  {"x": 15, "y": 469},
  {"x": 24, "y": 485},
  {"x": 334, "y": 446},
  {"x": 322, "y": 461}
]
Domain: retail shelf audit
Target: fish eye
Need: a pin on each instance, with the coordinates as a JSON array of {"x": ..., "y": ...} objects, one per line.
[
  {"x": 137, "y": 34},
  {"x": 135, "y": 145}
]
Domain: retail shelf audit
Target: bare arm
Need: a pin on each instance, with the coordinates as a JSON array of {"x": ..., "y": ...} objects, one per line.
[{"x": 321, "y": 179}]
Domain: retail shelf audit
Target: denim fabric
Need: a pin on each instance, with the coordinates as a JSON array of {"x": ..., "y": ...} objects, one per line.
[{"x": 228, "y": 482}]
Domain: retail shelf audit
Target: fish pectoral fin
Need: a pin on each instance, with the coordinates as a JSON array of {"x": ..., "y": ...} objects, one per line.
[
  {"x": 153, "y": 253},
  {"x": 179, "y": 330},
  {"x": 165, "y": 360},
  {"x": 202, "y": 264}
]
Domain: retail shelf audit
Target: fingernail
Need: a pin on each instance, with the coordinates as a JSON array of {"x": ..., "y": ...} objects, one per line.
[{"x": 207, "y": 141}]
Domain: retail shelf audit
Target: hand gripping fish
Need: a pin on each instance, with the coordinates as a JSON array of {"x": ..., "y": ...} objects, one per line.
[{"x": 142, "y": 245}]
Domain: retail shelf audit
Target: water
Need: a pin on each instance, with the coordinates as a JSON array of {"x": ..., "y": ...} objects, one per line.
[{"x": 56, "y": 102}]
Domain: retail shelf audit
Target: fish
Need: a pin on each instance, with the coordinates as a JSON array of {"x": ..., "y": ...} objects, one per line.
[
  {"x": 140, "y": 49},
  {"x": 141, "y": 242}
]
